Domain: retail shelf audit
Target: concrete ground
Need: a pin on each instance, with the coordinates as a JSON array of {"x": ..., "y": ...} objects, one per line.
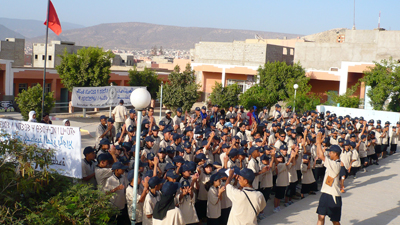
[{"x": 372, "y": 198}]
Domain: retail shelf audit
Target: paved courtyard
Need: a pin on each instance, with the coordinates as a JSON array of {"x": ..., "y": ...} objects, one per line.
[{"x": 372, "y": 198}]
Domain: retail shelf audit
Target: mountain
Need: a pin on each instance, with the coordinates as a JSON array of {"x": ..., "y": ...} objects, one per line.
[
  {"x": 132, "y": 35},
  {"x": 7, "y": 33},
  {"x": 32, "y": 28}
]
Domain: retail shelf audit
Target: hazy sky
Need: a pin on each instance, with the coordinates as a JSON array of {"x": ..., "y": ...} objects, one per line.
[{"x": 287, "y": 16}]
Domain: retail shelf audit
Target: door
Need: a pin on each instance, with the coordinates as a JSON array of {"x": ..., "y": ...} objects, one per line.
[{"x": 64, "y": 100}]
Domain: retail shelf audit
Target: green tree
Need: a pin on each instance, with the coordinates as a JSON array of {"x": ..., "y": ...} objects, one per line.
[
  {"x": 225, "y": 96},
  {"x": 347, "y": 99},
  {"x": 276, "y": 80},
  {"x": 29, "y": 196},
  {"x": 384, "y": 80},
  {"x": 89, "y": 67},
  {"x": 258, "y": 96},
  {"x": 181, "y": 90},
  {"x": 147, "y": 78},
  {"x": 31, "y": 99}
]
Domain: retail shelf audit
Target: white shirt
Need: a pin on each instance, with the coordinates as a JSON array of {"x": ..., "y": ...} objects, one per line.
[
  {"x": 308, "y": 176},
  {"x": 102, "y": 174},
  {"x": 148, "y": 206},
  {"x": 266, "y": 179},
  {"x": 255, "y": 167},
  {"x": 242, "y": 213},
  {"x": 213, "y": 204},
  {"x": 118, "y": 199},
  {"x": 332, "y": 170},
  {"x": 87, "y": 170},
  {"x": 283, "y": 175},
  {"x": 139, "y": 205},
  {"x": 119, "y": 113},
  {"x": 186, "y": 205},
  {"x": 173, "y": 217}
]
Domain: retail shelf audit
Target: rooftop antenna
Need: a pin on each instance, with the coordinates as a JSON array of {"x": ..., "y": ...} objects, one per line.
[
  {"x": 354, "y": 16},
  {"x": 379, "y": 21}
]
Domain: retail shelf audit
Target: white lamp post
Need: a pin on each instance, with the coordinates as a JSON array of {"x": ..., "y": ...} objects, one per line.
[
  {"x": 140, "y": 99},
  {"x": 295, "y": 86},
  {"x": 162, "y": 83}
]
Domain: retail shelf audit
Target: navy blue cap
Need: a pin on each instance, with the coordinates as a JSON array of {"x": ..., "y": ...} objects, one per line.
[
  {"x": 335, "y": 148},
  {"x": 353, "y": 144},
  {"x": 179, "y": 109},
  {"x": 346, "y": 142},
  {"x": 179, "y": 148},
  {"x": 197, "y": 109},
  {"x": 378, "y": 121},
  {"x": 234, "y": 152},
  {"x": 124, "y": 160},
  {"x": 201, "y": 156},
  {"x": 378, "y": 127},
  {"x": 146, "y": 121},
  {"x": 149, "y": 138},
  {"x": 169, "y": 149},
  {"x": 150, "y": 156},
  {"x": 131, "y": 128},
  {"x": 102, "y": 157},
  {"x": 172, "y": 174},
  {"x": 118, "y": 135},
  {"x": 176, "y": 136},
  {"x": 161, "y": 123},
  {"x": 127, "y": 145},
  {"x": 185, "y": 167},
  {"x": 363, "y": 136},
  {"x": 242, "y": 143},
  {"x": 110, "y": 120},
  {"x": 265, "y": 157},
  {"x": 119, "y": 165},
  {"x": 161, "y": 150},
  {"x": 169, "y": 166},
  {"x": 258, "y": 140},
  {"x": 305, "y": 157},
  {"x": 105, "y": 141},
  {"x": 212, "y": 124},
  {"x": 118, "y": 147},
  {"x": 187, "y": 145},
  {"x": 88, "y": 150},
  {"x": 132, "y": 111},
  {"x": 204, "y": 107},
  {"x": 242, "y": 152},
  {"x": 341, "y": 140},
  {"x": 283, "y": 147},
  {"x": 131, "y": 174},
  {"x": 155, "y": 127},
  {"x": 142, "y": 164},
  {"x": 225, "y": 146},
  {"x": 185, "y": 183},
  {"x": 154, "y": 181},
  {"x": 149, "y": 173},
  {"x": 247, "y": 174},
  {"x": 252, "y": 149},
  {"x": 278, "y": 154},
  {"x": 178, "y": 159},
  {"x": 103, "y": 117},
  {"x": 170, "y": 188}
]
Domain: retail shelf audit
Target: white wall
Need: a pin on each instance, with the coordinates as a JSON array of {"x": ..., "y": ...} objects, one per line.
[{"x": 384, "y": 116}]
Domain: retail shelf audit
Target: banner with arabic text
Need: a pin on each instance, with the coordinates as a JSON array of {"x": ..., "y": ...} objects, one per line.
[
  {"x": 101, "y": 97},
  {"x": 66, "y": 140}
]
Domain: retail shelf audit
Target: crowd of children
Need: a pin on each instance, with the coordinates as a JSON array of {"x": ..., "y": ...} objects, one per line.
[{"x": 221, "y": 167}]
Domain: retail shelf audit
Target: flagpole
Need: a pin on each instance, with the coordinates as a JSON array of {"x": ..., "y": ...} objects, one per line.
[{"x": 45, "y": 56}]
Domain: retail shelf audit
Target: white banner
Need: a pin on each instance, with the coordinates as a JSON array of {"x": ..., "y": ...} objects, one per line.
[
  {"x": 101, "y": 97},
  {"x": 66, "y": 140}
]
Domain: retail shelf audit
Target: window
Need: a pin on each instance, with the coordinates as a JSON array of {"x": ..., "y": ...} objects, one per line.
[
  {"x": 22, "y": 87},
  {"x": 36, "y": 57},
  {"x": 49, "y": 57},
  {"x": 42, "y": 57},
  {"x": 47, "y": 88},
  {"x": 291, "y": 51},
  {"x": 285, "y": 51}
]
